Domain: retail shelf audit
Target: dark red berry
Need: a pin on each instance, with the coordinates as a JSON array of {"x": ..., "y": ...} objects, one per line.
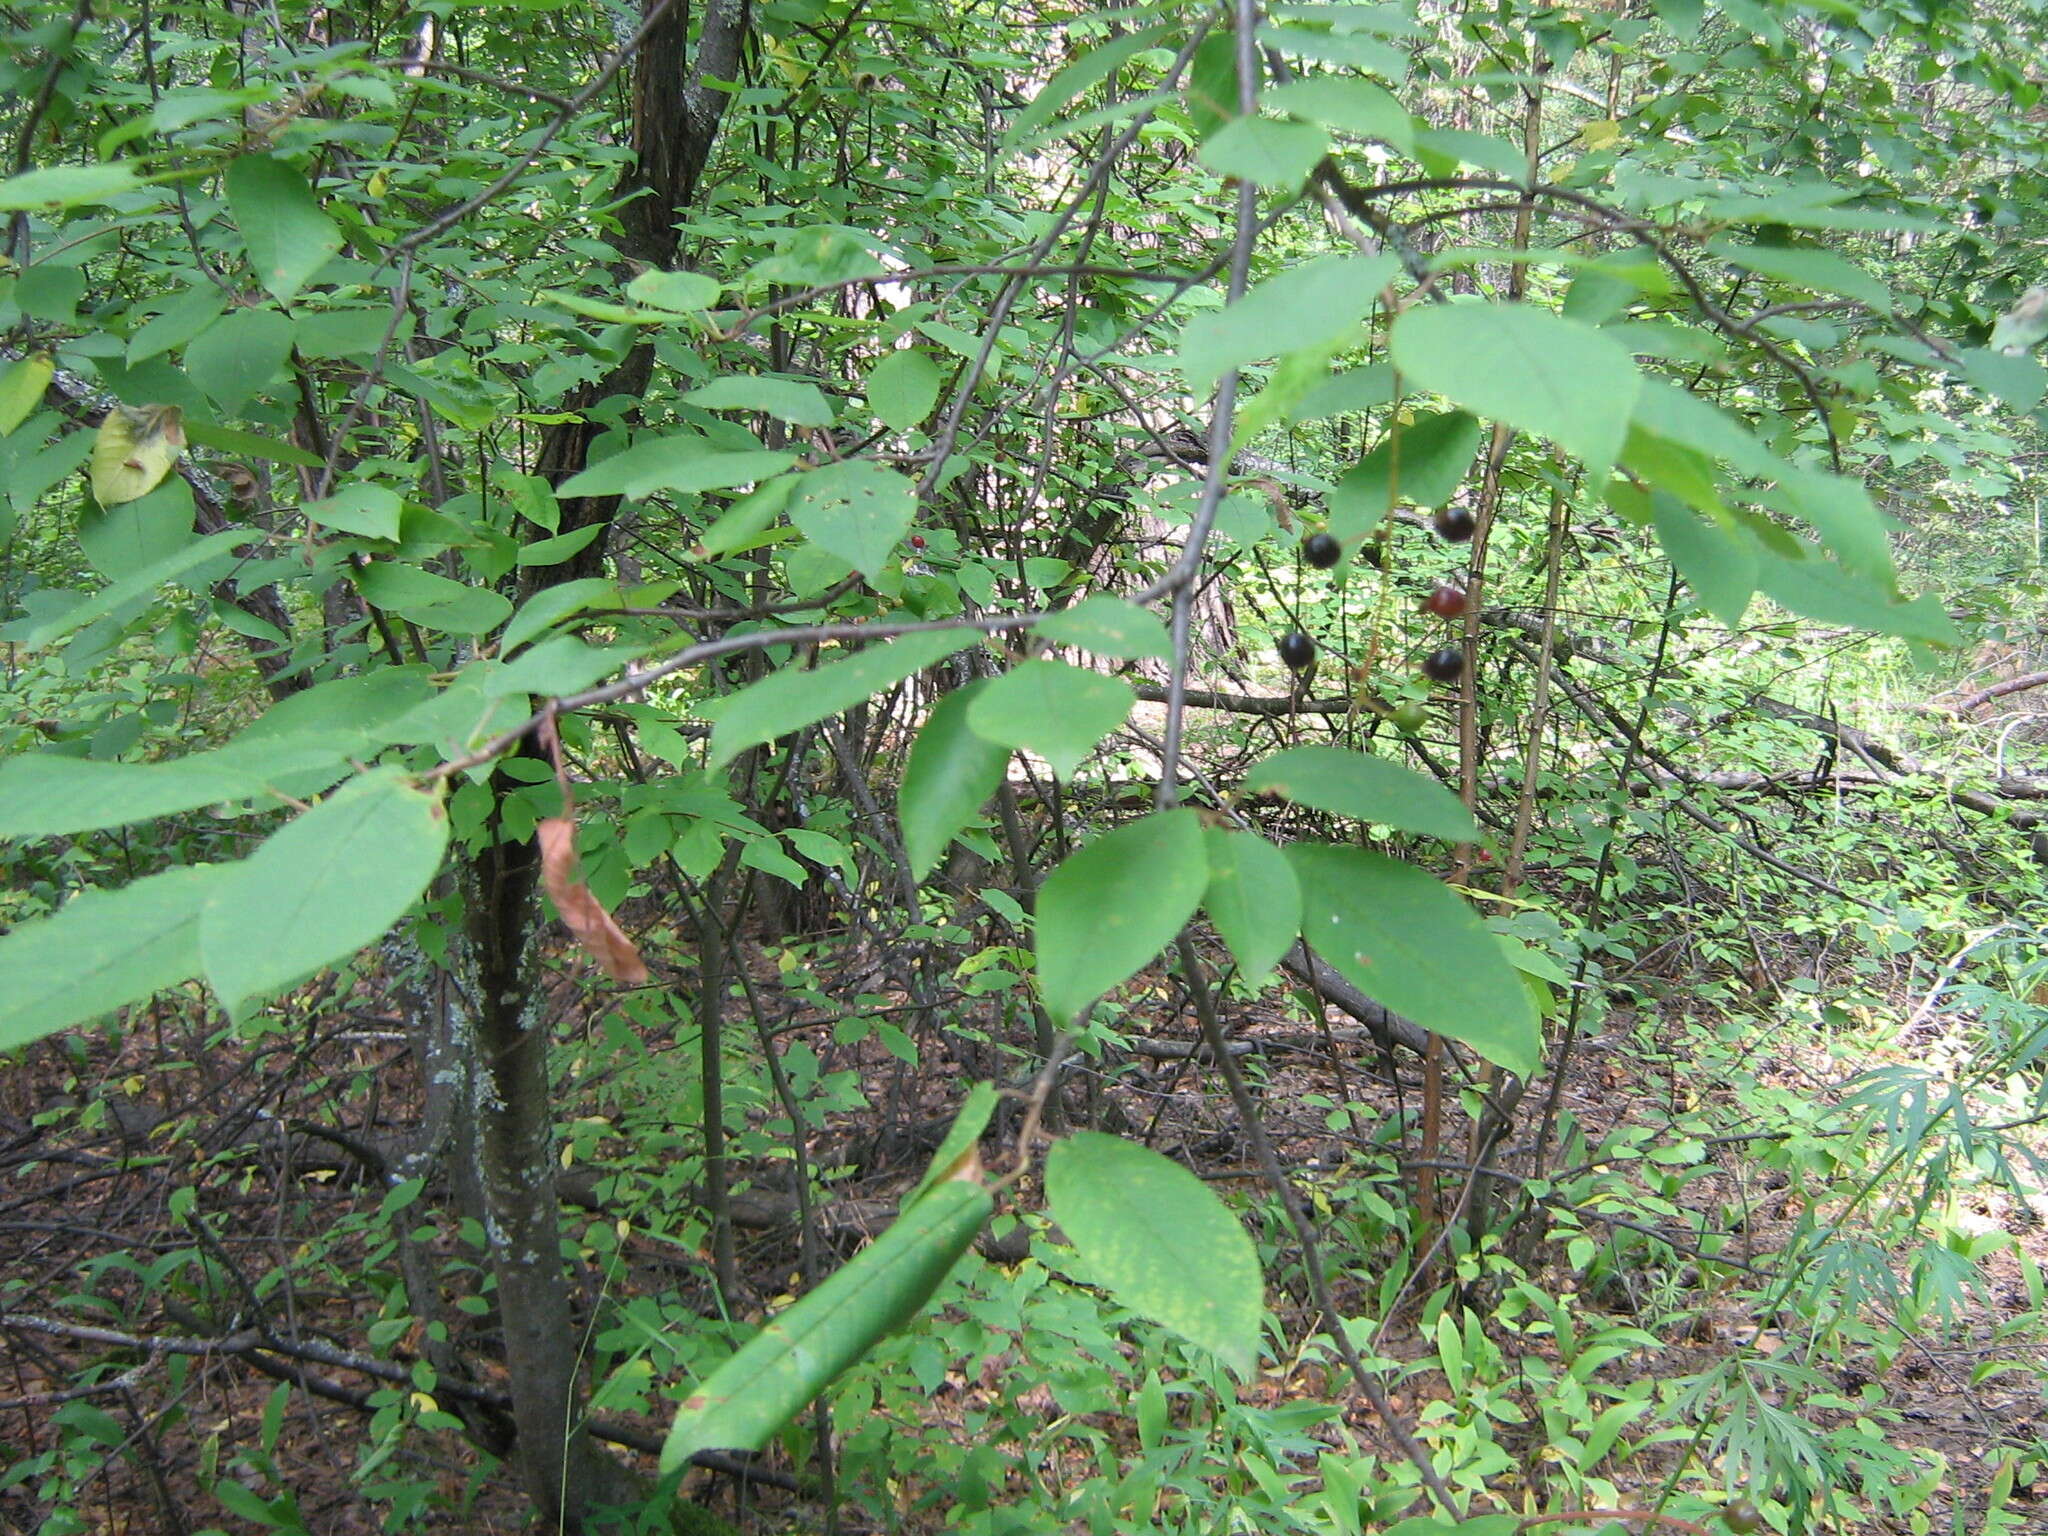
[
  {"x": 1447, "y": 601},
  {"x": 1453, "y": 523},
  {"x": 917, "y": 541},
  {"x": 1444, "y": 666},
  {"x": 1297, "y": 650},
  {"x": 1742, "y": 1517},
  {"x": 1321, "y": 550}
]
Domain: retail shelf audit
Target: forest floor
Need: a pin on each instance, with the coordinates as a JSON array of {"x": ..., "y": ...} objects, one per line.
[{"x": 96, "y": 1134}]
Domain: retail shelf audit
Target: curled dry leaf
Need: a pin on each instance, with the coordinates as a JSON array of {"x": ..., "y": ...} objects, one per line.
[
  {"x": 592, "y": 925},
  {"x": 133, "y": 451}
]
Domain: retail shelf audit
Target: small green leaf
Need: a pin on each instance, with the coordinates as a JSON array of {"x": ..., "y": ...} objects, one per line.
[
  {"x": 1089, "y": 70},
  {"x": 1365, "y": 787},
  {"x": 950, "y": 774},
  {"x": 902, "y": 389},
  {"x": 1048, "y": 707},
  {"x": 288, "y": 238},
  {"x": 1157, "y": 1238},
  {"x": 797, "y": 1354},
  {"x": 551, "y": 605},
  {"x": 1270, "y": 155},
  {"x": 427, "y": 598},
  {"x": 99, "y": 951},
  {"x": 676, "y": 461},
  {"x": 1253, "y": 898},
  {"x": 1316, "y": 304},
  {"x": 856, "y": 510},
  {"x": 1109, "y": 908},
  {"x": 1409, "y": 942},
  {"x": 321, "y": 887},
  {"x": 1109, "y": 626},
  {"x": 795, "y": 401},
  {"x": 796, "y": 696},
  {"x": 1527, "y": 367},
  {"x": 371, "y": 511},
  {"x": 1423, "y": 463}
]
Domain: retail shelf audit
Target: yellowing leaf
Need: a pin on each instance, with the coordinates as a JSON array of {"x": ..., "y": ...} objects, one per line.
[
  {"x": 21, "y": 389},
  {"x": 379, "y": 181},
  {"x": 1601, "y": 133},
  {"x": 135, "y": 449}
]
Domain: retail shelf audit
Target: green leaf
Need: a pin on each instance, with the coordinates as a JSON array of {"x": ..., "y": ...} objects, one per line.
[
  {"x": 564, "y": 546},
  {"x": 1048, "y": 707},
  {"x": 792, "y": 400},
  {"x": 133, "y": 535},
  {"x": 1091, "y": 69},
  {"x": 1534, "y": 370},
  {"x": 427, "y": 598},
  {"x": 1365, "y": 787},
  {"x": 287, "y": 236},
  {"x": 1821, "y": 589},
  {"x": 795, "y": 696},
  {"x": 1819, "y": 271},
  {"x": 1160, "y": 1241},
  {"x": 950, "y": 774},
  {"x": 1354, "y": 50},
  {"x": 1109, "y": 626},
  {"x": 1253, "y": 898},
  {"x": 35, "y": 633},
  {"x": 68, "y": 186},
  {"x": 1347, "y": 104},
  {"x": 681, "y": 292},
  {"x": 966, "y": 1131},
  {"x": 1312, "y": 305},
  {"x": 855, "y": 509},
  {"x": 678, "y": 461},
  {"x": 551, "y": 605},
  {"x": 796, "y": 1355},
  {"x": 741, "y": 525},
  {"x": 1269, "y": 155},
  {"x": 321, "y": 887},
  {"x": 239, "y": 355},
  {"x": 1423, "y": 462},
  {"x": 1718, "y": 563},
  {"x": 99, "y": 951},
  {"x": 1409, "y": 942},
  {"x": 2018, "y": 382},
  {"x": 1107, "y": 909},
  {"x": 902, "y": 389},
  {"x": 45, "y": 795},
  {"x": 21, "y": 389},
  {"x": 372, "y": 511}
]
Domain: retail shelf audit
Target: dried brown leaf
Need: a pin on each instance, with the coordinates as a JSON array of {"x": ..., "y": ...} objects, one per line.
[{"x": 615, "y": 954}]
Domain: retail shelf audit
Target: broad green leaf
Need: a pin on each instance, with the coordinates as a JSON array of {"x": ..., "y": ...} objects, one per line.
[
  {"x": 35, "y": 633},
  {"x": 855, "y": 509},
  {"x": 682, "y": 292},
  {"x": 1091, "y": 69},
  {"x": 134, "y": 535},
  {"x": 966, "y": 1131},
  {"x": 357, "y": 332},
  {"x": 1364, "y": 787},
  {"x": 1268, "y": 154},
  {"x": 1423, "y": 462},
  {"x": 321, "y": 887},
  {"x": 563, "y": 546},
  {"x": 1110, "y": 907},
  {"x": 1534, "y": 370},
  {"x": 1055, "y": 710},
  {"x": 427, "y": 598},
  {"x": 551, "y": 605},
  {"x": 741, "y": 525},
  {"x": 1841, "y": 511},
  {"x": 1160, "y": 1241},
  {"x": 1253, "y": 898},
  {"x": 950, "y": 774},
  {"x": 1719, "y": 563},
  {"x": 1109, "y": 626},
  {"x": 248, "y": 445},
  {"x": 1408, "y": 941},
  {"x": 558, "y": 665},
  {"x": 1316, "y": 304},
  {"x": 287, "y": 236},
  {"x": 1354, "y": 50},
  {"x": 1347, "y": 104},
  {"x": 21, "y": 389},
  {"x": 1441, "y": 151},
  {"x": 1680, "y": 416},
  {"x": 1820, "y": 271},
  {"x": 239, "y": 355},
  {"x": 1820, "y": 589},
  {"x": 795, "y": 696},
  {"x": 371, "y": 511},
  {"x": 795, "y": 401},
  {"x": 45, "y": 795},
  {"x": 902, "y": 389},
  {"x": 100, "y": 951},
  {"x": 2018, "y": 382},
  {"x": 676, "y": 461},
  {"x": 68, "y": 186},
  {"x": 360, "y": 710},
  {"x": 799, "y": 1352}
]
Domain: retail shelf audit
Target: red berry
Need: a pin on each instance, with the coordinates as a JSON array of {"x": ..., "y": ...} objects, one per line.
[
  {"x": 1453, "y": 523},
  {"x": 1447, "y": 601},
  {"x": 1444, "y": 666},
  {"x": 1297, "y": 650},
  {"x": 917, "y": 541},
  {"x": 1321, "y": 550}
]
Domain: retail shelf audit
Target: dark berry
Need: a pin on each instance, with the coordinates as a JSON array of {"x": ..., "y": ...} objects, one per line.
[
  {"x": 1410, "y": 718},
  {"x": 917, "y": 541},
  {"x": 1446, "y": 602},
  {"x": 1297, "y": 650},
  {"x": 1374, "y": 554},
  {"x": 1453, "y": 523},
  {"x": 1444, "y": 666},
  {"x": 1321, "y": 550},
  {"x": 1742, "y": 1517}
]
